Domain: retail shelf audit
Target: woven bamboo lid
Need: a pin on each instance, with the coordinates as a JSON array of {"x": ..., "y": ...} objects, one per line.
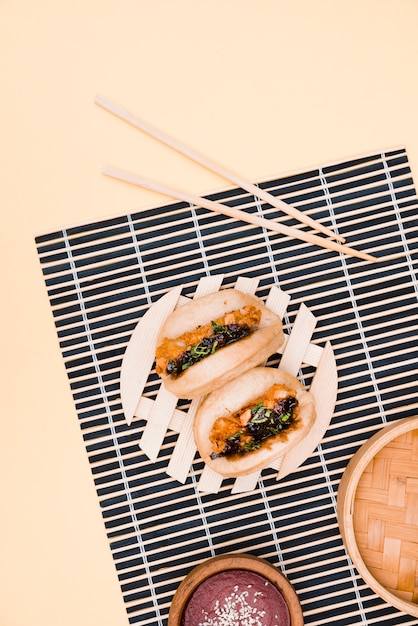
[{"x": 378, "y": 513}]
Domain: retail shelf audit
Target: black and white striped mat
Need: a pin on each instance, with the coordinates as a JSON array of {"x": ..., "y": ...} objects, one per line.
[{"x": 101, "y": 277}]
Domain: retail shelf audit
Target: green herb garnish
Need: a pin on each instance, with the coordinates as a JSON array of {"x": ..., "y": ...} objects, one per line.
[
  {"x": 218, "y": 328},
  {"x": 235, "y": 436},
  {"x": 200, "y": 350}
]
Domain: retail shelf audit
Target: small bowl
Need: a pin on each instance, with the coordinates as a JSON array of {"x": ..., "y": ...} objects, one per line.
[
  {"x": 223, "y": 563},
  {"x": 377, "y": 509}
]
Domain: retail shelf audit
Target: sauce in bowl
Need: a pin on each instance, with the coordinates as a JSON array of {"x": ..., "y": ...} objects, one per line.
[{"x": 236, "y": 597}]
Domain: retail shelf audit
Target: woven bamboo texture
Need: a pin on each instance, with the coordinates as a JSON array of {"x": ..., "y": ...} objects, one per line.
[
  {"x": 380, "y": 516},
  {"x": 103, "y": 277},
  {"x": 162, "y": 413}
]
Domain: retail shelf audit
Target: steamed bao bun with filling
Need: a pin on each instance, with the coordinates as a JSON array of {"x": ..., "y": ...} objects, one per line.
[
  {"x": 252, "y": 420},
  {"x": 211, "y": 340}
]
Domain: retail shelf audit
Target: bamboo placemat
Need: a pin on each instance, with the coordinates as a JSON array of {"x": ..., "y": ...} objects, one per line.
[{"x": 102, "y": 277}]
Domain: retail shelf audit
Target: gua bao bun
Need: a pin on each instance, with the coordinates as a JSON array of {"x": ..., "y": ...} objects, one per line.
[
  {"x": 231, "y": 422},
  {"x": 191, "y": 357}
]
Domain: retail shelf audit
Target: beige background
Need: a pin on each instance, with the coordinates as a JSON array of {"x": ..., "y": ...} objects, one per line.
[{"x": 263, "y": 86}]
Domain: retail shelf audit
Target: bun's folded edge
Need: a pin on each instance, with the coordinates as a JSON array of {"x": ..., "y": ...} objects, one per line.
[
  {"x": 230, "y": 361},
  {"x": 239, "y": 393}
]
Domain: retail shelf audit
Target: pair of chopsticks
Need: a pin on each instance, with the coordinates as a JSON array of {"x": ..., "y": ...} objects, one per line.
[{"x": 232, "y": 177}]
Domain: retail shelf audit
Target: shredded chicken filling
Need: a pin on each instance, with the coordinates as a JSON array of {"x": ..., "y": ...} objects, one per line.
[
  {"x": 247, "y": 429},
  {"x": 174, "y": 356}
]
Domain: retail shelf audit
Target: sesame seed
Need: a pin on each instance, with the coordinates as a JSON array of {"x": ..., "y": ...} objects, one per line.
[{"x": 235, "y": 610}]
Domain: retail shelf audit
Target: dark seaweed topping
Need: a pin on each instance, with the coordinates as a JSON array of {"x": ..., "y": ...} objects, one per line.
[
  {"x": 223, "y": 336},
  {"x": 264, "y": 423},
  {"x": 232, "y": 444}
]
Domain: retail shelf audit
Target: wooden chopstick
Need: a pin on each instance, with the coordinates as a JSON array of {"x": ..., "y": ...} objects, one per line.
[
  {"x": 236, "y": 213},
  {"x": 215, "y": 167}
]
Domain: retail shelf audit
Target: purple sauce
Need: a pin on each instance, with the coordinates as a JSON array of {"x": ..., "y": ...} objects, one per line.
[{"x": 236, "y": 598}]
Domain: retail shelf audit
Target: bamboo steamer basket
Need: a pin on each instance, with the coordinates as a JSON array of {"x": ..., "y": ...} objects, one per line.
[{"x": 377, "y": 510}]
